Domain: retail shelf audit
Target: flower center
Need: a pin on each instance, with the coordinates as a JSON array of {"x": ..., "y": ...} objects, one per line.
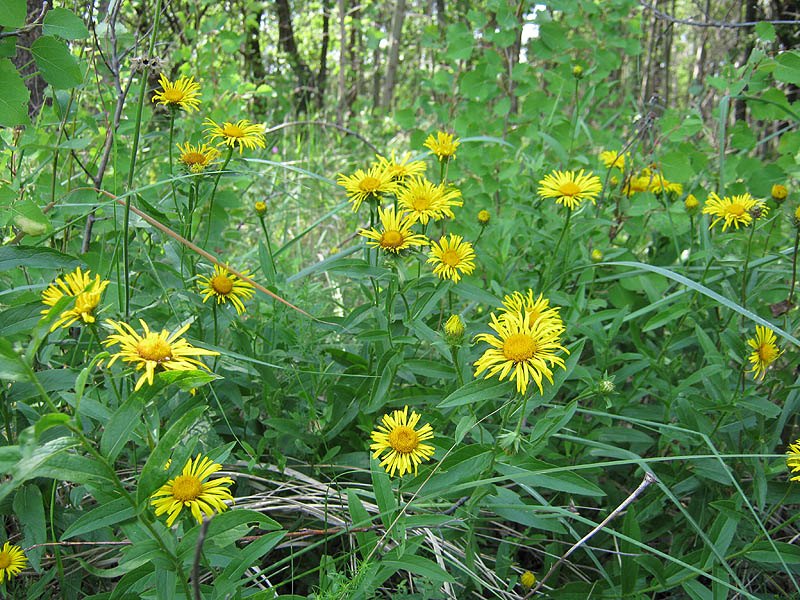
[
  {"x": 5, "y": 560},
  {"x": 403, "y": 439},
  {"x": 186, "y": 488},
  {"x": 222, "y": 284},
  {"x": 519, "y": 347},
  {"x": 451, "y": 258},
  {"x": 193, "y": 158},
  {"x": 422, "y": 203},
  {"x": 569, "y": 188},
  {"x": 736, "y": 209},
  {"x": 173, "y": 95},
  {"x": 392, "y": 239},
  {"x": 154, "y": 348},
  {"x": 766, "y": 353},
  {"x": 233, "y": 131},
  {"x": 369, "y": 184}
]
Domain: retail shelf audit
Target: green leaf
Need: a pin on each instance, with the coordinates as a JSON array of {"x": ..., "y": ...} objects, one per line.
[
  {"x": 58, "y": 67},
  {"x": 119, "y": 429},
  {"x": 788, "y": 67},
  {"x": 110, "y": 513},
  {"x": 459, "y": 41},
  {"x": 64, "y": 23},
  {"x": 187, "y": 380},
  {"x": 507, "y": 504},
  {"x": 360, "y": 518},
  {"x": 530, "y": 472},
  {"x": 12, "y": 13},
  {"x": 14, "y": 99},
  {"x": 675, "y": 166},
  {"x": 419, "y": 565},
  {"x": 29, "y": 509},
  {"x": 765, "y": 31},
  {"x": 245, "y": 558},
  {"x": 26, "y": 468},
  {"x": 35, "y": 257},
  {"x": 12, "y": 366},
  {"x": 30, "y": 218},
  {"x": 153, "y": 473},
  {"x": 476, "y": 391},
  {"x": 384, "y": 497}
]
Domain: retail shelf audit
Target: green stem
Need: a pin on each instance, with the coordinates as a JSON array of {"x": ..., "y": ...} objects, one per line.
[
  {"x": 172, "y": 183},
  {"x": 574, "y": 124},
  {"x": 546, "y": 279},
  {"x": 457, "y": 365},
  {"x": 522, "y": 414},
  {"x": 269, "y": 245},
  {"x": 746, "y": 264},
  {"x": 57, "y": 550},
  {"x": 214, "y": 193},
  {"x": 214, "y": 310},
  {"x": 135, "y": 147},
  {"x": 794, "y": 266}
]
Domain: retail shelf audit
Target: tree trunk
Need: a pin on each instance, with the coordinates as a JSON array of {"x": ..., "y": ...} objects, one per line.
[
  {"x": 253, "y": 63},
  {"x": 750, "y": 14},
  {"x": 441, "y": 17},
  {"x": 342, "y": 63},
  {"x": 286, "y": 41},
  {"x": 394, "y": 52},
  {"x": 322, "y": 75},
  {"x": 23, "y": 60}
]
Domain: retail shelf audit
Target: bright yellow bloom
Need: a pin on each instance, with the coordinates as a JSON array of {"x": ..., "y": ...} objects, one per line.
[
  {"x": 396, "y": 234},
  {"x": 165, "y": 350},
  {"x": 765, "y": 351},
  {"x": 398, "y": 436},
  {"x": 779, "y": 193},
  {"x": 224, "y": 286},
  {"x": 442, "y": 145},
  {"x": 402, "y": 169},
  {"x": 367, "y": 185},
  {"x": 424, "y": 200},
  {"x": 454, "y": 330},
  {"x": 242, "y": 133},
  {"x": 535, "y": 309},
  {"x": 570, "y": 189},
  {"x": 260, "y": 207},
  {"x": 183, "y": 93},
  {"x": 637, "y": 184},
  {"x": 452, "y": 257},
  {"x": 732, "y": 210},
  {"x": 12, "y": 561},
  {"x": 189, "y": 490},
  {"x": 527, "y": 580},
  {"x": 691, "y": 204},
  {"x": 660, "y": 185},
  {"x": 198, "y": 158},
  {"x": 86, "y": 291},
  {"x": 612, "y": 158},
  {"x": 521, "y": 350},
  {"x": 792, "y": 460},
  {"x": 484, "y": 217}
]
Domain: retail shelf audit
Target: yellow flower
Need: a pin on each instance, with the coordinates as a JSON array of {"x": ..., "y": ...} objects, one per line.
[
  {"x": 367, "y": 185},
  {"x": 400, "y": 170},
  {"x": 660, "y": 185},
  {"x": 733, "y": 211},
  {"x": 484, "y": 217},
  {"x": 87, "y": 293},
  {"x": 454, "y": 330},
  {"x": 452, "y": 257},
  {"x": 442, "y": 145},
  {"x": 425, "y": 200},
  {"x": 535, "y": 309},
  {"x": 596, "y": 256},
  {"x": 527, "y": 580},
  {"x": 183, "y": 93},
  {"x": 198, "y": 158},
  {"x": 570, "y": 189},
  {"x": 765, "y": 352},
  {"x": 244, "y": 133},
  {"x": 396, "y": 234},
  {"x": 691, "y": 204},
  {"x": 577, "y": 72},
  {"x": 12, "y": 561},
  {"x": 779, "y": 193},
  {"x": 260, "y": 207},
  {"x": 792, "y": 461},
  {"x": 189, "y": 490},
  {"x": 797, "y": 217},
  {"x": 226, "y": 286},
  {"x": 637, "y": 184},
  {"x": 521, "y": 350},
  {"x": 398, "y": 436},
  {"x": 612, "y": 158},
  {"x": 165, "y": 350}
]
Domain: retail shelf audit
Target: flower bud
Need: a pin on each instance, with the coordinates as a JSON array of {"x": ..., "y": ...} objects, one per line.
[
  {"x": 484, "y": 217},
  {"x": 577, "y": 72},
  {"x": 597, "y": 256},
  {"x": 261, "y": 208},
  {"x": 691, "y": 204},
  {"x": 606, "y": 386},
  {"x": 779, "y": 193},
  {"x": 527, "y": 580},
  {"x": 454, "y": 330},
  {"x": 797, "y": 217}
]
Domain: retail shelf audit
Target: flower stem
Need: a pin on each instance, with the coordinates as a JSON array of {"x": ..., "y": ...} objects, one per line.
[
  {"x": 546, "y": 279},
  {"x": 214, "y": 310},
  {"x": 794, "y": 266},
  {"x": 214, "y": 193},
  {"x": 269, "y": 245},
  {"x": 126, "y": 223},
  {"x": 746, "y": 264},
  {"x": 172, "y": 183}
]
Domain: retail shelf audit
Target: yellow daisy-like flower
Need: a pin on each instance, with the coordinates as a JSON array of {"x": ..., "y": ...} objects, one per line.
[
  {"x": 443, "y": 145},
  {"x": 535, "y": 309},
  {"x": 527, "y": 580},
  {"x": 424, "y": 200},
  {"x": 521, "y": 350},
  {"x": 398, "y": 436},
  {"x": 87, "y": 293},
  {"x": 792, "y": 460},
  {"x": 637, "y": 184},
  {"x": 189, "y": 490},
  {"x": 765, "y": 351},
  {"x": 242, "y": 133},
  {"x": 225, "y": 286},
  {"x": 152, "y": 350},
  {"x": 198, "y": 158},
  {"x": 779, "y": 193},
  {"x": 396, "y": 234},
  {"x": 402, "y": 169},
  {"x": 181, "y": 94},
  {"x": 452, "y": 257},
  {"x": 612, "y": 158},
  {"x": 731, "y": 210},
  {"x": 570, "y": 189},
  {"x": 660, "y": 185},
  {"x": 12, "y": 561},
  {"x": 367, "y": 185}
]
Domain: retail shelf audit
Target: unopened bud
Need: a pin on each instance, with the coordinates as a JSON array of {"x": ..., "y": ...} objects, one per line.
[
  {"x": 691, "y": 204},
  {"x": 779, "y": 193},
  {"x": 597, "y": 256},
  {"x": 484, "y": 217},
  {"x": 261, "y": 208},
  {"x": 527, "y": 580},
  {"x": 577, "y": 72},
  {"x": 454, "y": 330}
]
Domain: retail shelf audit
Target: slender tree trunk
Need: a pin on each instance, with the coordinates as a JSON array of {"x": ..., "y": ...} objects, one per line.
[
  {"x": 253, "y": 63},
  {"x": 394, "y": 52},
  {"x": 23, "y": 60},
  {"x": 322, "y": 75},
  {"x": 342, "y": 4},
  {"x": 287, "y": 42},
  {"x": 441, "y": 18},
  {"x": 750, "y": 14},
  {"x": 376, "y": 78}
]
